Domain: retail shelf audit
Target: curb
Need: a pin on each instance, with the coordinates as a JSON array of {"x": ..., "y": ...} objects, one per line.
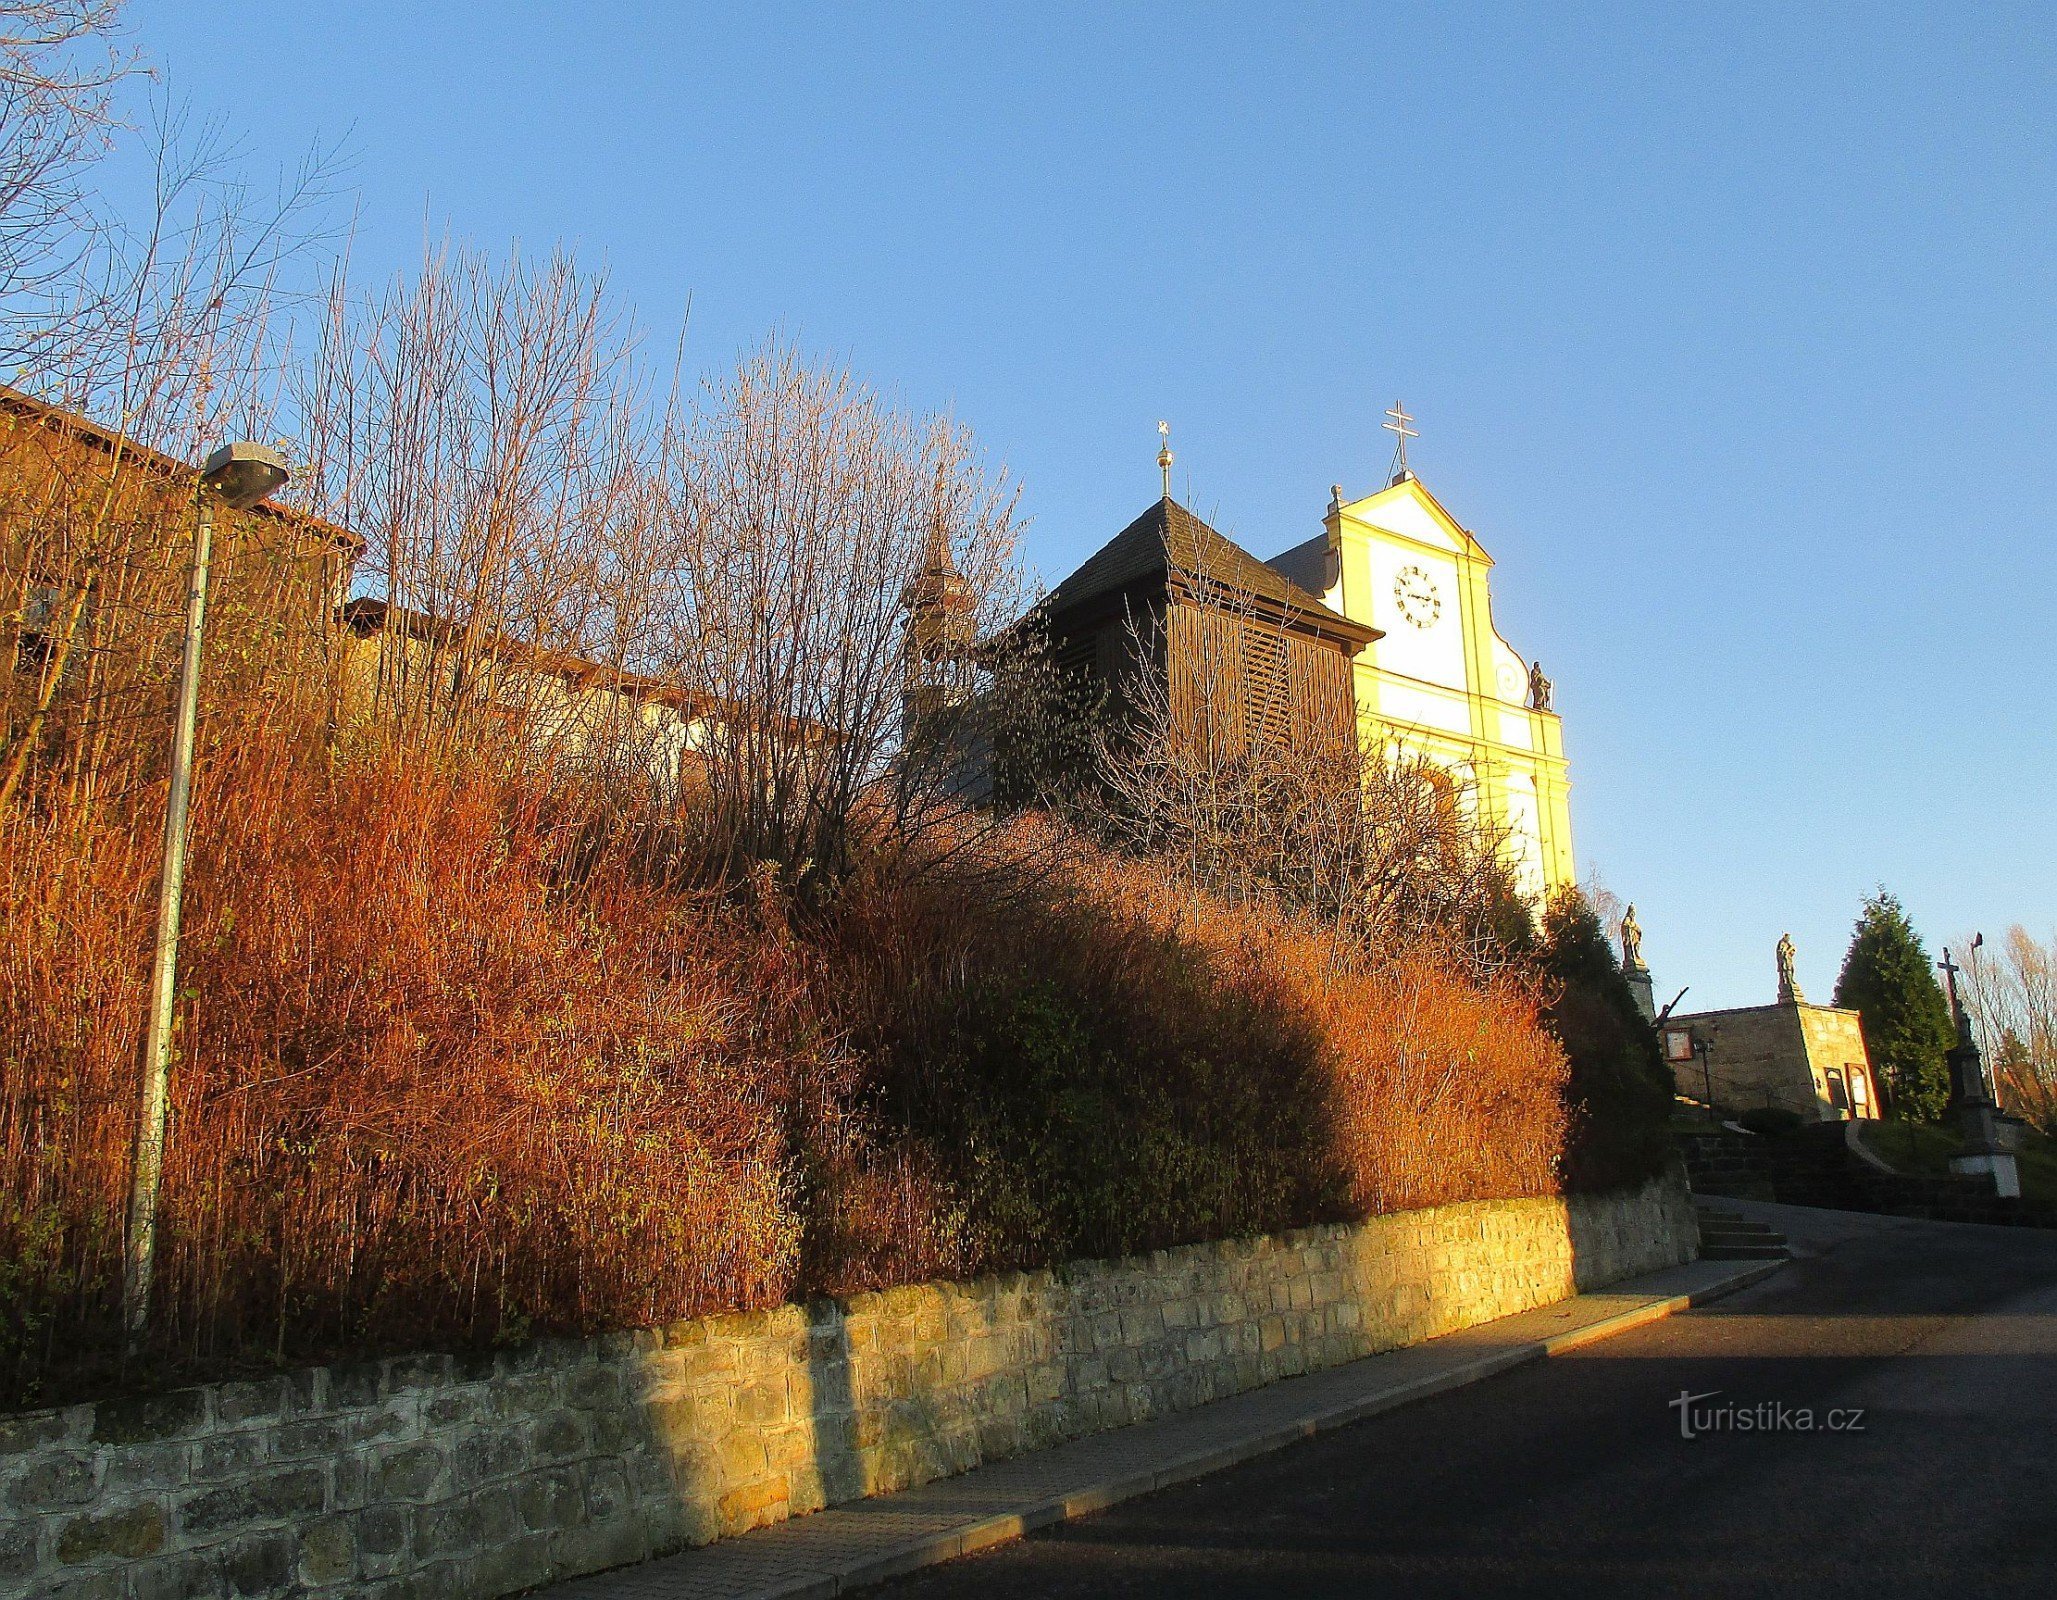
[{"x": 1007, "y": 1526}]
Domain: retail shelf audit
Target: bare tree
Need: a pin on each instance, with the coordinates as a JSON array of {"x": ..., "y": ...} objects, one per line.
[
  {"x": 2011, "y": 997},
  {"x": 59, "y": 62},
  {"x": 477, "y": 424},
  {"x": 798, "y": 509},
  {"x": 173, "y": 341}
]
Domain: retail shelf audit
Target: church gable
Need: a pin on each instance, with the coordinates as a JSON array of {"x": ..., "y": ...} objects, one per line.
[{"x": 1409, "y": 510}]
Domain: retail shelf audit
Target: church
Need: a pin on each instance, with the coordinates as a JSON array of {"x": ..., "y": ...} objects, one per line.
[{"x": 1391, "y": 605}]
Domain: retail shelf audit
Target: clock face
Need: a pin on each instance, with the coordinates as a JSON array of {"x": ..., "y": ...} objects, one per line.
[{"x": 1414, "y": 592}]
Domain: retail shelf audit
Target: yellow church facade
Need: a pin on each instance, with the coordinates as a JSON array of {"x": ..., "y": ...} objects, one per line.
[{"x": 1440, "y": 683}]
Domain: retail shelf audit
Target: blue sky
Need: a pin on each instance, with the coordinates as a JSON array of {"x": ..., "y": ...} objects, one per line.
[{"x": 1729, "y": 330}]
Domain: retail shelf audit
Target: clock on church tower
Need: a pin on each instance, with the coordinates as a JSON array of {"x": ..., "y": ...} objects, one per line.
[{"x": 1441, "y": 682}]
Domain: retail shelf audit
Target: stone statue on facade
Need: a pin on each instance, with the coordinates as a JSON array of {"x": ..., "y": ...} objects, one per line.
[
  {"x": 1538, "y": 688},
  {"x": 1788, "y": 984},
  {"x": 1631, "y": 942}
]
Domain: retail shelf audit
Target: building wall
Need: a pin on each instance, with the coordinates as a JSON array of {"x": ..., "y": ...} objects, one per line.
[
  {"x": 1243, "y": 678},
  {"x": 474, "y": 1476},
  {"x": 1776, "y": 1055},
  {"x": 556, "y": 714},
  {"x": 1442, "y": 682}
]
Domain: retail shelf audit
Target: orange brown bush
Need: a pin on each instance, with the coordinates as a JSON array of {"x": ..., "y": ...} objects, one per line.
[{"x": 453, "y": 1070}]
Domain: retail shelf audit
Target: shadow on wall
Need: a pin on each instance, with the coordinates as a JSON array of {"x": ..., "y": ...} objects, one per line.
[
  {"x": 1611, "y": 1241},
  {"x": 765, "y": 1416}
]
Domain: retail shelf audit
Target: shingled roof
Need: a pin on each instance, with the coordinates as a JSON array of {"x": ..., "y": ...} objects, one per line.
[{"x": 1168, "y": 539}]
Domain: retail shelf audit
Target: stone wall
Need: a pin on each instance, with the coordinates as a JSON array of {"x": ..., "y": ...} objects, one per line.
[{"x": 475, "y": 1476}]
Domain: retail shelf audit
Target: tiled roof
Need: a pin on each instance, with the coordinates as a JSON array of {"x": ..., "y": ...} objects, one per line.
[{"x": 1169, "y": 538}]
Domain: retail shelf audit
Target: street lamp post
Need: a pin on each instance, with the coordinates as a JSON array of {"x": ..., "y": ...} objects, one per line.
[
  {"x": 1703, "y": 1047},
  {"x": 236, "y": 476}
]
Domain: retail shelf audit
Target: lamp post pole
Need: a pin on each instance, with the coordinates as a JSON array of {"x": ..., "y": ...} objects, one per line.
[
  {"x": 237, "y": 476},
  {"x": 1703, "y": 1047}
]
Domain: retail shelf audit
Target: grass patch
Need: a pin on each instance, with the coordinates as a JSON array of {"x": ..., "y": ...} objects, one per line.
[{"x": 1925, "y": 1149}]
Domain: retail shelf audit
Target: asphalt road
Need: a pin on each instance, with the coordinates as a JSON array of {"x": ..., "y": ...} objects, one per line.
[{"x": 1573, "y": 1477}]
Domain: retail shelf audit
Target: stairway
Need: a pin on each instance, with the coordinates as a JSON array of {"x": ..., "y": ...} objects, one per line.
[
  {"x": 1721, "y": 1161},
  {"x": 1728, "y": 1236}
]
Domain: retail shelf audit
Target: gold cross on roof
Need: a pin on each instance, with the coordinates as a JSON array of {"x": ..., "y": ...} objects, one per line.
[{"x": 1397, "y": 426}]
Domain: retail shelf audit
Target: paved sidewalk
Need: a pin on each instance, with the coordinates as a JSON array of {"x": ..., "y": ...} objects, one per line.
[{"x": 864, "y": 1541}]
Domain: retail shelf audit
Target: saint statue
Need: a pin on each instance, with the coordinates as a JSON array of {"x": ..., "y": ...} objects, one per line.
[
  {"x": 1631, "y": 942},
  {"x": 1538, "y": 688},
  {"x": 1788, "y": 984}
]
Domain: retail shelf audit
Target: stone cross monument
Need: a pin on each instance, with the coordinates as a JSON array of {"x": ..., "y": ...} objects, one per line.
[{"x": 1984, "y": 1155}]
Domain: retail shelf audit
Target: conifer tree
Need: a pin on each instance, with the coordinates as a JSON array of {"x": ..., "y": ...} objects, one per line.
[
  {"x": 1890, "y": 982},
  {"x": 1620, "y": 1091}
]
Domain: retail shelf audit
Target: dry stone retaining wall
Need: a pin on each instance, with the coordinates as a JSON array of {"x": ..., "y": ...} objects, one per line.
[{"x": 465, "y": 1477}]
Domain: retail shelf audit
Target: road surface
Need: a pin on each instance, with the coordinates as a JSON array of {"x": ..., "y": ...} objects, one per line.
[{"x": 1879, "y": 1419}]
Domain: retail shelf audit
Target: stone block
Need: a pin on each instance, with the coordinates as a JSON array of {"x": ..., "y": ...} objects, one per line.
[
  {"x": 590, "y": 1388},
  {"x": 144, "y": 1466},
  {"x": 408, "y": 1373},
  {"x": 410, "y": 1472},
  {"x": 512, "y": 1565},
  {"x": 382, "y": 1536},
  {"x": 328, "y": 1552},
  {"x": 54, "y": 1481},
  {"x": 595, "y": 1548},
  {"x": 17, "y": 1550},
  {"x": 523, "y": 1394},
  {"x": 33, "y": 1430},
  {"x": 356, "y": 1384},
  {"x": 351, "y": 1478},
  {"x": 558, "y": 1436},
  {"x": 236, "y": 1404},
  {"x": 126, "y": 1532},
  {"x": 227, "y": 1455},
  {"x": 607, "y": 1490},
  {"x": 744, "y": 1459},
  {"x": 260, "y": 1567},
  {"x": 142, "y": 1419},
  {"x": 272, "y": 1498},
  {"x": 313, "y": 1436},
  {"x": 550, "y": 1499},
  {"x": 447, "y": 1528},
  {"x": 488, "y": 1454},
  {"x": 188, "y": 1577}
]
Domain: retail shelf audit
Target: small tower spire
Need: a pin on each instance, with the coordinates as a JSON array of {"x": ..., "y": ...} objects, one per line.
[
  {"x": 1397, "y": 425},
  {"x": 1164, "y": 455},
  {"x": 942, "y": 620}
]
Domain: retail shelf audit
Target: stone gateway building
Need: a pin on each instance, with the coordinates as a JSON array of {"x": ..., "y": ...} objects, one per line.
[{"x": 1789, "y": 1055}]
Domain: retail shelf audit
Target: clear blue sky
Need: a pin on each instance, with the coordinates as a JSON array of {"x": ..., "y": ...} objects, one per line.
[{"x": 1730, "y": 330}]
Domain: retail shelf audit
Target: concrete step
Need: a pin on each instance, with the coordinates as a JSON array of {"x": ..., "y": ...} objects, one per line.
[{"x": 1730, "y": 1236}]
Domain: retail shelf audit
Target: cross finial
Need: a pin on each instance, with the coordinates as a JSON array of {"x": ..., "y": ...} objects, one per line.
[
  {"x": 1164, "y": 455},
  {"x": 1396, "y": 425}
]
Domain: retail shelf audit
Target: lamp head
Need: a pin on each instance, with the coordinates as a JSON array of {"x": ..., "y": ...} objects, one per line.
[{"x": 242, "y": 474}]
